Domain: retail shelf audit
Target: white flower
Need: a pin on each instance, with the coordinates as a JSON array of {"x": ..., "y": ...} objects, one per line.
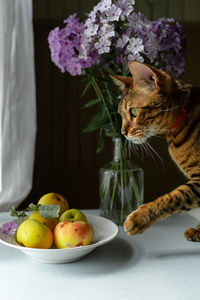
[
  {"x": 83, "y": 52},
  {"x": 85, "y": 46},
  {"x": 135, "y": 46},
  {"x": 126, "y": 8},
  {"x": 104, "y": 5},
  {"x": 121, "y": 42},
  {"x": 106, "y": 31},
  {"x": 91, "y": 30},
  {"x": 103, "y": 45},
  {"x": 91, "y": 19},
  {"x": 132, "y": 2},
  {"x": 103, "y": 21},
  {"x": 136, "y": 56},
  {"x": 113, "y": 13}
]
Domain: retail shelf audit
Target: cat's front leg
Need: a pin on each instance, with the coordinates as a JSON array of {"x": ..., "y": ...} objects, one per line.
[
  {"x": 185, "y": 197},
  {"x": 141, "y": 219}
]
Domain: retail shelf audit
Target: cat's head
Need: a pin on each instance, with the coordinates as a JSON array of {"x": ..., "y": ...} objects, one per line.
[{"x": 144, "y": 103}]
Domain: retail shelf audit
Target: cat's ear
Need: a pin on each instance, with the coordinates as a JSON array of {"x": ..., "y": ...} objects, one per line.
[
  {"x": 146, "y": 73},
  {"x": 122, "y": 82}
]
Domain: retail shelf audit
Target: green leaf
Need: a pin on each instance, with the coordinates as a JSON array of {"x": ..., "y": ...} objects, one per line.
[
  {"x": 113, "y": 134},
  {"x": 13, "y": 212},
  {"x": 105, "y": 80},
  {"x": 19, "y": 214},
  {"x": 32, "y": 207},
  {"x": 86, "y": 88},
  {"x": 108, "y": 69},
  {"x": 91, "y": 103},
  {"x": 49, "y": 211},
  {"x": 98, "y": 121},
  {"x": 46, "y": 211}
]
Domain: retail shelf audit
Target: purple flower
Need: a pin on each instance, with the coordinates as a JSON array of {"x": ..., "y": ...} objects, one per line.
[
  {"x": 113, "y": 27},
  {"x": 165, "y": 31},
  {"x": 9, "y": 228},
  {"x": 138, "y": 22},
  {"x": 66, "y": 44},
  {"x": 171, "y": 45}
]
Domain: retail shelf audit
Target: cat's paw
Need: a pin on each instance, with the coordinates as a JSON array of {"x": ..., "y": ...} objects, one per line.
[
  {"x": 192, "y": 234},
  {"x": 138, "y": 221}
]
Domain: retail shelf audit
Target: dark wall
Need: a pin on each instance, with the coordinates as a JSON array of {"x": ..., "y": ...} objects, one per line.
[{"x": 65, "y": 159}]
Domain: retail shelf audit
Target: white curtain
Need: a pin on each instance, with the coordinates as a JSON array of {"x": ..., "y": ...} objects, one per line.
[{"x": 17, "y": 102}]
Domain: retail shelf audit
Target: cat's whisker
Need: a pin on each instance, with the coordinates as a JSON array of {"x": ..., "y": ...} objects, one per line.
[
  {"x": 143, "y": 151},
  {"x": 115, "y": 101},
  {"x": 161, "y": 160},
  {"x": 143, "y": 147},
  {"x": 162, "y": 131},
  {"x": 167, "y": 109},
  {"x": 158, "y": 136},
  {"x": 133, "y": 148},
  {"x": 148, "y": 151}
]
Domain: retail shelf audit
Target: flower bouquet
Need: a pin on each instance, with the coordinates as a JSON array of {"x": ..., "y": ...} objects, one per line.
[{"x": 111, "y": 35}]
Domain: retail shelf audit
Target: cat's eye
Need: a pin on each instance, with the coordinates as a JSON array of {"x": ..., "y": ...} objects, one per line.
[{"x": 134, "y": 112}]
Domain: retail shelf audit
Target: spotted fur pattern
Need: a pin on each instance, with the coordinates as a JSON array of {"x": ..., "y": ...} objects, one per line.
[{"x": 160, "y": 100}]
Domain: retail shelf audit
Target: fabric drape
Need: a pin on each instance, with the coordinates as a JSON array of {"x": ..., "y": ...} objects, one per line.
[{"x": 17, "y": 101}]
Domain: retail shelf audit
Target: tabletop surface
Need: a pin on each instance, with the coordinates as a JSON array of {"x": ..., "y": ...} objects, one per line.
[{"x": 159, "y": 264}]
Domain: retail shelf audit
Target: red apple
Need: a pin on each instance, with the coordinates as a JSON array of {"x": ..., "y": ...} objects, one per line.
[{"x": 72, "y": 234}]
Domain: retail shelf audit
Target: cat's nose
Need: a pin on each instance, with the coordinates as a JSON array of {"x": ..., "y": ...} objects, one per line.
[{"x": 124, "y": 132}]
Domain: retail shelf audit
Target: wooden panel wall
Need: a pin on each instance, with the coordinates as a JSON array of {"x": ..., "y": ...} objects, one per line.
[
  {"x": 65, "y": 159},
  {"x": 181, "y": 10}
]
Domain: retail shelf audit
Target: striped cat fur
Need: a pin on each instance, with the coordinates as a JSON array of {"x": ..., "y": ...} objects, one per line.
[{"x": 152, "y": 103}]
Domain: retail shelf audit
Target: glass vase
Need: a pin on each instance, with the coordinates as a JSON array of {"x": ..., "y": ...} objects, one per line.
[{"x": 120, "y": 187}]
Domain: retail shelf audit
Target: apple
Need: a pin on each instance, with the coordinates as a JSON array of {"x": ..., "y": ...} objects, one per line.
[
  {"x": 54, "y": 199},
  {"x": 50, "y": 223},
  {"x": 33, "y": 234},
  {"x": 72, "y": 215},
  {"x": 72, "y": 234}
]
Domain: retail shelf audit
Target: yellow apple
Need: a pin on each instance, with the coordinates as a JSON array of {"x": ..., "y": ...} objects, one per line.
[
  {"x": 73, "y": 215},
  {"x": 50, "y": 223},
  {"x": 54, "y": 199},
  {"x": 72, "y": 234},
  {"x": 33, "y": 234}
]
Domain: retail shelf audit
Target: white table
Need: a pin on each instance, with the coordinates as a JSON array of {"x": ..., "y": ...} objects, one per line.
[{"x": 157, "y": 265}]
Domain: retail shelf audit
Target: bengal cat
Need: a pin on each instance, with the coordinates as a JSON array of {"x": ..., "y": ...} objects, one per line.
[{"x": 153, "y": 102}]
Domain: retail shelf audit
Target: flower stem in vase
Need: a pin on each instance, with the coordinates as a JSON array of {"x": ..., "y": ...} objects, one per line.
[{"x": 121, "y": 186}]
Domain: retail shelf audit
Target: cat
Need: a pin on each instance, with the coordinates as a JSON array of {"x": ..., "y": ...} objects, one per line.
[{"x": 153, "y": 102}]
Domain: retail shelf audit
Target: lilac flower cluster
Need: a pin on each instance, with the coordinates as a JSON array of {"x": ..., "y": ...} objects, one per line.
[
  {"x": 9, "y": 228},
  {"x": 65, "y": 45},
  {"x": 112, "y": 34}
]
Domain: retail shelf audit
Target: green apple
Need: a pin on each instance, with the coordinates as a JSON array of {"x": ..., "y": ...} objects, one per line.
[
  {"x": 72, "y": 234},
  {"x": 72, "y": 215}
]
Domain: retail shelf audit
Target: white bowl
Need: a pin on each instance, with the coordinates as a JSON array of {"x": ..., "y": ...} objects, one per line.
[{"x": 104, "y": 231}]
